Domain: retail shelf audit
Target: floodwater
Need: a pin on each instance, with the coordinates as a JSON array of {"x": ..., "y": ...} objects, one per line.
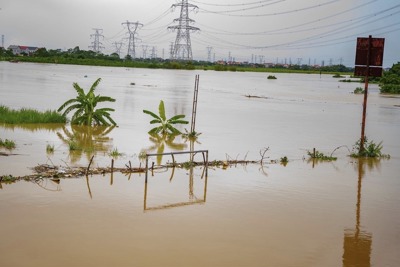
[{"x": 341, "y": 213}]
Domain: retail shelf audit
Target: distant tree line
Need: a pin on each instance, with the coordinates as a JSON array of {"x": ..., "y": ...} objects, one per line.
[{"x": 87, "y": 57}]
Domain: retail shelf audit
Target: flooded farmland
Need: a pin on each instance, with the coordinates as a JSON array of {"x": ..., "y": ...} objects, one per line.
[{"x": 305, "y": 213}]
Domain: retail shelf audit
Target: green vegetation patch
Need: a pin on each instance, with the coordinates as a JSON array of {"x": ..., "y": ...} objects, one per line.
[
  {"x": 315, "y": 154},
  {"x": 25, "y": 116},
  {"x": 371, "y": 150},
  {"x": 390, "y": 82},
  {"x": 358, "y": 90},
  {"x": 8, "y": 144}
]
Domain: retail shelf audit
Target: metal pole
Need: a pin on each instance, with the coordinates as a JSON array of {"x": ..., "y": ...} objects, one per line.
[
  {"x": 194, "y": 108},
  {"x": 364, "y": 114}
]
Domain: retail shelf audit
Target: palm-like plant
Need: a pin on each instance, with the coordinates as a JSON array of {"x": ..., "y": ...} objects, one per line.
[
  {"x": 166, "y": 124},
  {"x": 85, "y": 107}
]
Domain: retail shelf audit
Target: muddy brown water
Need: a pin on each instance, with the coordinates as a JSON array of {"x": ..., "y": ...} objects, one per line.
[{"x": 341, "y": 213}]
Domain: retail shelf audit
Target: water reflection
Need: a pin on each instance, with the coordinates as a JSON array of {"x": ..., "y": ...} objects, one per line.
[
  {"x": 191, "y": 195},
  {"x": 51, "y": 127},
  {"x": 86, "y": 140},
  {"x": 161, "y": 141},
  {"x": 357, "y": 243}
]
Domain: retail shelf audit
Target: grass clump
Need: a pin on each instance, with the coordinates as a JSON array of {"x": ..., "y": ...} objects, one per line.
[
  {"x": 337, "y": 75},
  {"x": 284, "y": 161},
  {"x": 49, "y": 149},
  {"x": 73, "y": 145},
  {"x": 7, "y": 144},
  {"x": 24, "y": 115},
  {"x": 315, "y": 154},
  {"x": 115, "y": 153},
  {"x": 358, "y": 90},
  {"x": 191, "y": 135},
  {"x": 371, "y": 150}
]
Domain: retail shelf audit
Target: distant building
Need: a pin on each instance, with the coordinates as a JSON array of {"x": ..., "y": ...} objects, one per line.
[{"x": 19, "y": 49}]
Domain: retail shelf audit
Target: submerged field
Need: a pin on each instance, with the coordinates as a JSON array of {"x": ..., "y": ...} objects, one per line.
[{"x": 305, "y": 213}]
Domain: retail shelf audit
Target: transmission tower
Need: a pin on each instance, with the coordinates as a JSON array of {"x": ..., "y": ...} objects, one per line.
[
  {"x": 118, "y": 47},
  {"x": 96, "y": 44},
  {"x": 171, "y": 50},
  {"x": 183, "y": 46},
  {"x": 153, "y": 53},
  {"x": 132, "y": 28},
  {"x": 261, "y": 58},
  {"x": 144, "y": 48}
]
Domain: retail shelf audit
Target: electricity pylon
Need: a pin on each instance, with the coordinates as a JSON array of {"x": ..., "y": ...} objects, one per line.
[
  {"x": 96, "y": 44},
  {"x": 182, "y": 49},
  {"x": 118, "y": 46},
  {"x": 132, "y": 28}
]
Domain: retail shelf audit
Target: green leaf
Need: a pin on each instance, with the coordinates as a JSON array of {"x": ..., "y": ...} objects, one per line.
[
  {"x": 179, "y": 122},
  {"x": 176, "y": 117},
  {"x": 151, "y": 114},
  {"x": 155, "y": 121},
  {"x": 161, "y": 110}
]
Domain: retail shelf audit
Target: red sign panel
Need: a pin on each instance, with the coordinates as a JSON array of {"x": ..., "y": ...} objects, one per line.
[
  {"x": 376, "y": 51},
  {"x": 373, "y": 71}
]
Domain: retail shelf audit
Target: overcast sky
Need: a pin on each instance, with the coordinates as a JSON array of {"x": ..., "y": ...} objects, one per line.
[{"x": 306, "y": 31}]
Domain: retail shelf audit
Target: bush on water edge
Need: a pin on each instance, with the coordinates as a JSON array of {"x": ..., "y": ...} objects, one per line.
[{"x": 24, "y": 115}]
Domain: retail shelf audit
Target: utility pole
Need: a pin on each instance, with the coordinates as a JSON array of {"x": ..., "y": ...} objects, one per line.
[
  {"x": 96, "y": 44},
  {"x": 183, "y": 45},
  {"x": 2, "y": 40},
  {"x": 118, "y": 47},
  {"x": 132, "y": 29},
  {"x": 209, "y": 50}
]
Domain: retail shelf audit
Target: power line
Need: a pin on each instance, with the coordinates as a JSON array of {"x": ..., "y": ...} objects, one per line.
[
  {"x": 271, "y": 14},
  {"x": 282, "y": 30},
  {"x": 243, "y": 4},
  {"x": 243, "y": 9}
]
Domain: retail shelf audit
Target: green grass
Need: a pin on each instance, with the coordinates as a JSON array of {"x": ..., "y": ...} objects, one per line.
[
  {"x": 49, "y": 149},
  {"x": 115, "y": 153},
  {"x": 320, "y": 156},
  {"x": 8, "y": 144},
  {"x": 358, "y": 90},
  {"x": 73, "y": 145},
  {"x": 24, "y": 116},
  {"x": 371, "y": 150}
]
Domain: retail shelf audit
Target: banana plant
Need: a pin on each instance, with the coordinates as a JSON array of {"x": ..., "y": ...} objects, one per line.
[
  {"x": 85, "y": 107},
  {"x": 166, "y": 125}
]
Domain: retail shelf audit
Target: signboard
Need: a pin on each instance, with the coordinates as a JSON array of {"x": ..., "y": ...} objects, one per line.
[
  {"x": 373, "y": 71},
  {"x": 371, "y": 48}
]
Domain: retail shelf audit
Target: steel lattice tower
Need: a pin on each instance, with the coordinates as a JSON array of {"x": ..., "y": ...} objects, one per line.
[
  {"x": 132, "y": 28},
  {"x": 96, "y": 44},
  {"x": 182, "y": 49}
]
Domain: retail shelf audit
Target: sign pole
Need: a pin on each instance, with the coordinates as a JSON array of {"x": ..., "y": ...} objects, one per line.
[{"x": 364, "y": 114}]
